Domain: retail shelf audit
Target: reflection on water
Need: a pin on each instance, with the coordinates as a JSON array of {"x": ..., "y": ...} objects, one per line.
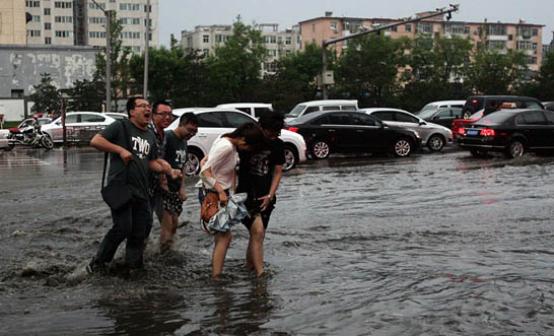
[{"x": 434, "y": 244}]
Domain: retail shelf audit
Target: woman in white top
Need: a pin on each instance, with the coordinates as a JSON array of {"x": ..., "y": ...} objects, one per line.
[{"x": 220, "y": 173}]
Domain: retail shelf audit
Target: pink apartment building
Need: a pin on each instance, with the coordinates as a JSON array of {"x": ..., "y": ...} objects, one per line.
[{"x": 498, "y": 35}]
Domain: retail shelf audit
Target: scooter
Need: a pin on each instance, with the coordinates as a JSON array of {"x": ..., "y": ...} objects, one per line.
[{"x": 29, "y": 136}]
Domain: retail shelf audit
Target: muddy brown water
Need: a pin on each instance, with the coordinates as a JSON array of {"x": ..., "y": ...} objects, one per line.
[{"x": 435, "y": 244}]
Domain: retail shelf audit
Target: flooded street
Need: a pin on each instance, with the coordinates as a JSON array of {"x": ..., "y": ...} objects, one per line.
[{"x": 435, "y": 244}]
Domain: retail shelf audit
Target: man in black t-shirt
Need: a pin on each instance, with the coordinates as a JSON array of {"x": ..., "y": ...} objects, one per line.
[
  {"x": 259, "y": 175},
  {"x": 176, "y": 155},
  {"x": 129, "y": 222}
]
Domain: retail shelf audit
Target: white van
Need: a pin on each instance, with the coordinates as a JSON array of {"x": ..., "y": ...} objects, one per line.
[
  {"x": 256, "y": 110},
  {"x": 442, "y": 104},
  {"x": 321, "y": 105}
]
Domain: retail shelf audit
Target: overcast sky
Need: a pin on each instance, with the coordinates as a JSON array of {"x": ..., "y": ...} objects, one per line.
[{"x": 178, "y": 15}]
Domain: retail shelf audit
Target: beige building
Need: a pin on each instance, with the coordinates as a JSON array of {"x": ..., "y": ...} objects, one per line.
[
  {"x": 82, "y": 23},
  {"x": 12, "y": 22},
  {"x": 278, "y": 43},
  {"x": 498, "y": 35}
]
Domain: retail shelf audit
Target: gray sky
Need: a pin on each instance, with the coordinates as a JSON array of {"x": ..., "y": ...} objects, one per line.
[{"x": 178, "y": 15}]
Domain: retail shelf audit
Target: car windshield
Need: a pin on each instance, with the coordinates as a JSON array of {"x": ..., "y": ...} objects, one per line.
[
  {"x": 295, "y": 112},
  {"x": 427, "y": 111},
  {"x": 495, "y": 118}
]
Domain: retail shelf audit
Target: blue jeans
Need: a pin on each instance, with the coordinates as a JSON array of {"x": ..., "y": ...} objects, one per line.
[{"x": 131, "y": 223}]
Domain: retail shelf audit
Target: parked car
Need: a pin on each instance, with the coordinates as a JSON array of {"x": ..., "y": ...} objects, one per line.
[
  {"x": 483, "y": 105},
  {"x": 443, "y": 116},
  {"x": 80, "y": 126},
  {"x": 512, "y": 132},
  {"x": 41, "y": 121},
  {"x": 437, "y": 105},
  {"x": 328, "y": 132},
  {"x": 4, "y": 143},
  {"x": 434, "y": 136},
  {"x": 213, "y": 122},
  {"x": 321, "y": 105},
  {"x": 549, "y": 105},
  {"x": 256, "y": 110},
  {"x": 116, "y": 115},
  {"x": 485, "y": 102}
]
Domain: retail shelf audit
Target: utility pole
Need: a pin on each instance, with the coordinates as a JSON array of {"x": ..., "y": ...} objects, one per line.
[
  {"x": 146, "y": 51},
  {"x": 325, "y": 44},
  {"x": 107, "y": 13}
]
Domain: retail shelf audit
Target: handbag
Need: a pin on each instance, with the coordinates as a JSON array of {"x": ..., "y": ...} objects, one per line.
[
  {"x": 210, "y": 206},
  {"x": 117, "y": 194}
]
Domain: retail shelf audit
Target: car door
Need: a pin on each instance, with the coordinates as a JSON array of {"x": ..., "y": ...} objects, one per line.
[
  {"x": 90, "y": 124},
  {"x": 341, "y": 133},
  {"x": 550, "y": 126},
  {"x": 533, "y": 126},
  {"x": 71, "y": 121},
  {"x": 444, "y": 117},
  {"x": 369, "y": 131}
]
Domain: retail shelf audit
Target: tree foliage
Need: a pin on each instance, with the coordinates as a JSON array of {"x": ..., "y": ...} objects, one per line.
[
  {"x": 46, "y": 96},
  {"x": 86, "y": 95}
]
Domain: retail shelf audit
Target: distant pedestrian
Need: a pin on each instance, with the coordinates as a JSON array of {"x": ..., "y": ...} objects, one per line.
[
  {"x": 176, "y": 154},
  {"x": 129, "y": 166},
  {"x": 259, "y": 176},
  {"x": 162, "y": 116},
  {"x": 219, "y": 174}
]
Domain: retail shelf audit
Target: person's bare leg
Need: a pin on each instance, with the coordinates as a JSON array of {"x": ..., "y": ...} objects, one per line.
[
  {"x": 222, "y": 242},
  {"x": 165, "y": 231},
  {"x": 255, "y": 251}
]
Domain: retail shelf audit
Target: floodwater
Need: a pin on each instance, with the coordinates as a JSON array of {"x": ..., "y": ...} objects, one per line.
[{"x": 435, "y": 244}]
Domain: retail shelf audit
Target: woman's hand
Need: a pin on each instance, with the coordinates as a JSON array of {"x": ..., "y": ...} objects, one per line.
[{"x": 223, "y": 198}]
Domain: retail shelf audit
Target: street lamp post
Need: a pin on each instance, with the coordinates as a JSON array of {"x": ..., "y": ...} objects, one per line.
[
  {"x": 146, "y": 50},
  {"x": 107, "y": 13}
]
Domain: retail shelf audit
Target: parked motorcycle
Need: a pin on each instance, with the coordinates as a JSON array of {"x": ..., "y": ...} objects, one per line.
[{"x": 29, "y": 136}]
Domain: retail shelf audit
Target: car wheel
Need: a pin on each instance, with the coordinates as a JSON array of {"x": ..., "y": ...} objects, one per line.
[
  {"x": 193, "y": 164},
  {"x": 47, "y": 142},
  {"x": 516, "y": 148},
  {"x": 402, "y": 147},
  {"x": 435, "y": 142},
  {"x": 320, "y": 149},
  {"x": 478, "y": 153},
  {"x": 291, "y": 158}
]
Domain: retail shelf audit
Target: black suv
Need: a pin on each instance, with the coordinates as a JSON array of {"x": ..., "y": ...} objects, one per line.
[{"x": 477, "y": 103}]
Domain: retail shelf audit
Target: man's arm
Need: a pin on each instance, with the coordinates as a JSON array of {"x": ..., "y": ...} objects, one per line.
[
  {"x": 277, "y": 174},
  {"x": 158, "y": 166},
  {"x": 182, "y": 194},
  {"x": 102, "y": 144}
]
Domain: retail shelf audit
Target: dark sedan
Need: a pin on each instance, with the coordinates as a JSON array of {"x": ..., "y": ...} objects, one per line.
[
  {"x": 329, "y": 132},
  {"x": 512, "y": 132}
]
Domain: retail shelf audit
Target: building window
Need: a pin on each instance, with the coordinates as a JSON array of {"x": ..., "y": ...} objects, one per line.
[
  {"x": 64, "y": 33},
  {"x": 288, "y": 40},
  {"x": 32, "y": 4},
  {"x": 531, "y": 60},
  {"x": 63, "y": 19},
  {"x": 92, "y": 5},
  {"x": 466, "y": 30},
  {"x": 17, "y": 93},
  {"x": 334, "y": 26},
  {"x": 497, "y": 30},
  {"x": 63, "y": 4},
  {"x": 425, "y": 28},
  {"x": 47, "y": 40},
  {"x": 524, "y": 45},
  {"x": 47, "y": 11},
  {"x": 129, "y": 7},
  {"x": 394, "y": 29},
  {"x": 47, "y": 26},
  {"x": 135, "y": 49},
  {"x": 97, "y": 20},
  {"x": 498, "y": 45},
  {"x": 36, "y": 18},
  {"x": 535, "y": 32},
  {"x": 272, "y": 52},
  {"x": 33, "y": 33},
  {"x": 456, "y": 29},
  {"x": 408, "y": 28},
  {"x": 97, "y": 34},
  {"x": 206, "y": 38}
]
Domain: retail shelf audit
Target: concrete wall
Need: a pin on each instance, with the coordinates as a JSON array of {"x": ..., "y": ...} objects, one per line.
[
  {"x": 21, "y": 66},
  {"x": 13, "y": 109}
]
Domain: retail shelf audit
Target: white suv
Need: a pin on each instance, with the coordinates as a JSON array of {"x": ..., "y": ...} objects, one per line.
[{"x": 213, "y": 122}]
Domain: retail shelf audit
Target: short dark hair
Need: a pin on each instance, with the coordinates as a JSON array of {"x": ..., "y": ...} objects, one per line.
[
  {"x": 158, "y": 103},
  {"x": 131, "y": 104},
  {"x": 188, "y": 118},
  {"x": 272, "y": 121}
]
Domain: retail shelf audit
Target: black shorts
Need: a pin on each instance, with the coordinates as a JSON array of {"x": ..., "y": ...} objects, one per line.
[
  {"x": 172, "y": 202},
  {"x": 253, "y": 208}
]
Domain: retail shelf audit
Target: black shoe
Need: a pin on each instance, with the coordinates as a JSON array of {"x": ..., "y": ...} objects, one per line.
[{"x": 95, "y": 266}]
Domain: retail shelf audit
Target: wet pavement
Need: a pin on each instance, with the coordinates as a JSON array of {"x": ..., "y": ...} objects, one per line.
[{"x": 434, "y": 244}]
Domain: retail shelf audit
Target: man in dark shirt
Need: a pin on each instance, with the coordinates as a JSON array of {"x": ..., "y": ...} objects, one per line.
[
  {"x": 131, "y": 221},
  {"x": 259, "y": 175},
  {"x": 176, "y": 155},
  {"x": 162, "y": 116}
]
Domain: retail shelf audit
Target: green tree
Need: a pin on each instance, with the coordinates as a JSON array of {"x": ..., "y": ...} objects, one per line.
[
  {"x": 493, "y": 73},
  {"x": 294, "y": 80},
  {"x": 86, "y": 95},
  {"x": 542, "y": 87},
  {"x": 235, "y": 68},
  {"x": 368, "y": 69},
  {"x": 46, "y": 96},
  {"x": 120, "y": 70}
]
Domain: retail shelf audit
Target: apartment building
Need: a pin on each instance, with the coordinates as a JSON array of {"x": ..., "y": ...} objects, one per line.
[
  {"x": 12, "y": 22},
  {"x": 278, "y": 43},
  {"x": 493, "y": 35},
  {"x": 82, "y": 23}
]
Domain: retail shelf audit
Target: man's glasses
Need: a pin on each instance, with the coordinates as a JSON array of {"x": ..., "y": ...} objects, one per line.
[
  {"x": 146, "y": 106},
  {"x": 164, "y": 114}
]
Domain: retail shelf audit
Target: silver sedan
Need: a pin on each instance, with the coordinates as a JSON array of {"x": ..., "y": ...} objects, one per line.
[{"x": 432, "y": 135}]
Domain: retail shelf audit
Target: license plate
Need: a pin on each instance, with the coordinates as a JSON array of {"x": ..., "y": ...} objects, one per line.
[{"x": 472, "y": 132}]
